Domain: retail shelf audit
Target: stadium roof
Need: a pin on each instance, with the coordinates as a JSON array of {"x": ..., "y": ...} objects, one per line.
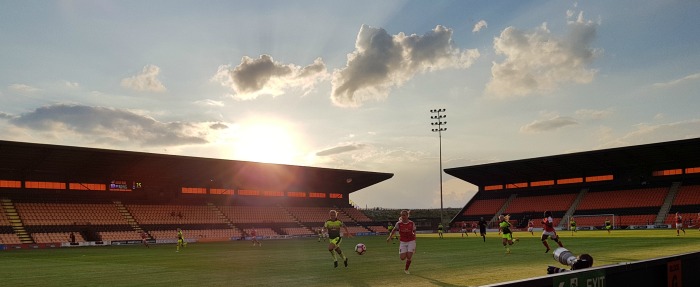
[
  {"x": 633, "y": 161},
  {"x": 42, "y": 162}
]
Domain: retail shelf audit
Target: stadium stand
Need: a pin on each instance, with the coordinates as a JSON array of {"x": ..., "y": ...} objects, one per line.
[
  {"x": 529, "y": 204},
  {"x": 485, "y": 206},
  {"x": 618, "y": 199},
  {"x": 640, "y": 185}
]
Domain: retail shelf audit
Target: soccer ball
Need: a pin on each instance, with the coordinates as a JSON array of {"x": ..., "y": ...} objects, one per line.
[{"x": 360, "y": 248}]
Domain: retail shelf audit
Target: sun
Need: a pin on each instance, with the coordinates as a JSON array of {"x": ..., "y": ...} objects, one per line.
[{"x": 269, "y": 141}]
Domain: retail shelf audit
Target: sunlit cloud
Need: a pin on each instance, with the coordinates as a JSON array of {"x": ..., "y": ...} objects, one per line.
[
  {"x": 550, "y": 124},
  {"x": 209, "y": 102},
  {"x": 71, "y": 85},
  {"x": 479, "y": 25},
  {"x": 382, "y": 61},
  {"x": 264, "y": 76},
  {"x": 644, "y": 133},
  {"x": 537, "y": 61},
  {"x": 688, "y": 78},
  {"x": 340, "y": 149},
  {"x": 22, "y": 88},
  {"x": 146, "y": 81},
  {"x": 593, "y": 114}
]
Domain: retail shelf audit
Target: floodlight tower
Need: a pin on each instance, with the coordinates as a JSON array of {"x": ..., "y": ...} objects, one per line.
[{"x": 439, "y": 129}]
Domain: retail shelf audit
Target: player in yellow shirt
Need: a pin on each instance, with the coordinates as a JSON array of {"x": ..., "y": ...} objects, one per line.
[
  {"x": 506, "y": 233},
  {"x": 180, "y": 240},
  {"x": 333, "y": 226}
]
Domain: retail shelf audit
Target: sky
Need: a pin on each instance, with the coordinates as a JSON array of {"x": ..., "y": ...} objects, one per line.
[{"x": 350, "y": 84}]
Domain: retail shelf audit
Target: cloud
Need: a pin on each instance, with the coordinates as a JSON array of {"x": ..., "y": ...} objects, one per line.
[
  {"x": 553, "y": 123},
  {"x": 5, "y": 116},
  {"x": 382, "y": 61},
  {"x": 340, "y": 149},
  {"x": 111, "y": 126},
  {"x": 263, "y": 76},
  {"x": 209, "y": 102},
  {"x": 23, "y": 88},
  {"x": 645, "y": 133},
  {"x": 690, "y": 77},
  {"x": 538, "y": 62},
  {"x": 71, "y": 85},
  {"x": 479, "y": 25},
  {"x": 593, "y": 114},
  {"x": 146, "y": 81},
  {"x": 218, "y": 126}
]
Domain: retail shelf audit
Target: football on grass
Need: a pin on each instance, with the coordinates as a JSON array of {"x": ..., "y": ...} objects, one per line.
[{"x": 360, "y": 248}]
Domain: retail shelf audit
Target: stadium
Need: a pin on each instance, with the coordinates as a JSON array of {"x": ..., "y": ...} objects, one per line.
[{"x": 106, "y": 199}]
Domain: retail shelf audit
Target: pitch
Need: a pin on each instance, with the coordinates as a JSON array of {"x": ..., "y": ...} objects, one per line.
[{"x": 306, "y": 262}]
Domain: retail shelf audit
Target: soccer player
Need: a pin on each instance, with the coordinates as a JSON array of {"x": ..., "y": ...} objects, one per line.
[
  {"x": 390, "y": 227},
  {"x": 320, "y": 234},
  {"x": 180, "y": 240},
  {"x": 440, "y": 230},
  {"x": 531, "y": 227},
  {"x": 608, "y": 226},
  {"x": 407, "y": 238},
  {"x": 464, "y": 229},
  {"x": 144, "y": 238},
  {"x": 254, "y": 235},
  {"x": 572, "y": 225},
  {"x": 482, "y": 228},
  {"x": 504, "y": 231},
  {"x": 333, "y": 226},
  {"x": 679, "y": 224},
  {"x": 548, "y": 224}
]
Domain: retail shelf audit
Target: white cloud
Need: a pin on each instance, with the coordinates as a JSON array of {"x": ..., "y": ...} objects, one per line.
[
  {"x": 146, "y": 81},
  {"x": 71, "y": 85},
  {"x": 340, "y": 149},
  {"x": 382, "y": 61},
  {"x": 691, "y": 77},
  {"x": 553, "y": 123},
  {"x": 538, "y": 62},
  {"x": 263, "y": 76},
  {"x": 593, "y": 114},
  {"x": 646, "y": 133},
  {"x": 23, "y": 88},
  {"x": 209, "y": 102},
  {"x": 479, "y": 25}
]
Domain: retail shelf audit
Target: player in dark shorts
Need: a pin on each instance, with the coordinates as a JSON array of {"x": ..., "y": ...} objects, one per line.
[
  {"x": 333, "y": 226},
  {"x": 482, "y": 228}
]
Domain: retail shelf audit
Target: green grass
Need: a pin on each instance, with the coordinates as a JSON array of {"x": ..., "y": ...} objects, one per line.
[{"x": 453, "y": 261}]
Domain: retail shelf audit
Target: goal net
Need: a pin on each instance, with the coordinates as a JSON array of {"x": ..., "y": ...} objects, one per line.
[{"x": 596, "y": 220}]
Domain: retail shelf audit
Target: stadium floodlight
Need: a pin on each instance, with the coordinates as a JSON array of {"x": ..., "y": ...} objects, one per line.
[{"x": 439, "y": 123}]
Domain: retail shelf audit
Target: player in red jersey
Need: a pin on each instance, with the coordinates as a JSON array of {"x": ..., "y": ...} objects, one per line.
[
  {"x": 254, "y": 237},
  {"x": 407, "y": 238},
  {"x": 144, "y": 238},
  {"x": 679, "y": 224},
  {"x": 531, "y": 227},
  {"x": 548, "y": 224}
]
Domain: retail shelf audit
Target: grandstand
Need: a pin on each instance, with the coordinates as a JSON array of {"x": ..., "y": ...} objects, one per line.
[
  {"x": 108, "y": 196},
  {"x": 641, "y": 186},
  {"x": 49, "y": 191}
]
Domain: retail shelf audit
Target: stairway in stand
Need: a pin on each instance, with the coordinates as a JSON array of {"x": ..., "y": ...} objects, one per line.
[
  {"x": 8, "y": 207},
  {"x": 129, "y": 218},
  {"x": 221, "y": 215}
]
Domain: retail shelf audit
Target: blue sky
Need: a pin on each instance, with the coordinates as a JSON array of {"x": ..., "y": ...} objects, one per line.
[{"x": 349, "y": 84}]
